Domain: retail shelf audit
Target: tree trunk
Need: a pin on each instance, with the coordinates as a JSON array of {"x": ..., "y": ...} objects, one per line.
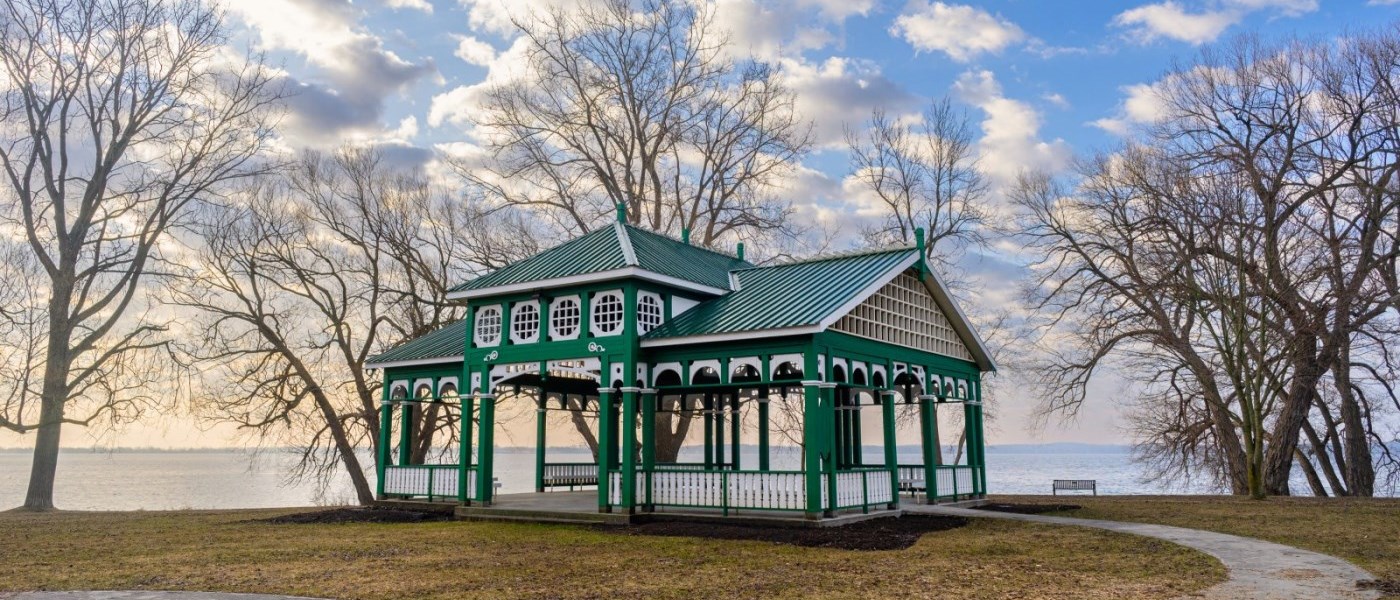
[
  {"x": 1278, "y": 458},
  {"x": 45, "y": 466},
  {"x": 1359, "y": 471},
  {"x": 1308, "y": 471},
  {"x": 363, "y": 491}
]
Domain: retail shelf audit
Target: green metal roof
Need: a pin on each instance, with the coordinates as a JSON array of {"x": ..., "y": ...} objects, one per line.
[
  {"x": 783, "y": 296},
  {"x": 445, "y": 343},
  {"x": 616, "y": 247},
  {"x": 660, "y": 254}
]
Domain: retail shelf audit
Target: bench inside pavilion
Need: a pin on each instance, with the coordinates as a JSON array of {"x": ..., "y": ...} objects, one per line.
[{"x": 623, "y": 322}]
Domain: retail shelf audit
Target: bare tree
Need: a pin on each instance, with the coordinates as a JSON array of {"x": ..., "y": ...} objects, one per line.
[
  {"x": 319, "y": 269},
  {"x": 924, "y": 175},
  {"x": 119, "y": 117},
  {"x": 638, "y": 103}
]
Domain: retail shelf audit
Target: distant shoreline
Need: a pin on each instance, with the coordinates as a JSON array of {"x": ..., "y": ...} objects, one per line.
[{"x": 1052, "y": 448}]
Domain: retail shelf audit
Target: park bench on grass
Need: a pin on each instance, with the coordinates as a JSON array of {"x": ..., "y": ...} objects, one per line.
[{"x": 1074, "y": 485}]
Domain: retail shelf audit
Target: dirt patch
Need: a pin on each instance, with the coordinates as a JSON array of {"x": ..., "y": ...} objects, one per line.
[
  {"x": 892, "y": 533},
  {"x": 1388, "y": 587},
  {"x": 1028, "y": 509},
  {"x": 357, "y": 515}
]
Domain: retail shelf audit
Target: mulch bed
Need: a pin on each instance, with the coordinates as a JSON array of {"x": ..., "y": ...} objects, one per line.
[
  {"x": 892, "y": 533},
  {"x": 1388, "y": 587},
  {"x": 358, "y": 515},
  {"x": 1028, "y": 509}
]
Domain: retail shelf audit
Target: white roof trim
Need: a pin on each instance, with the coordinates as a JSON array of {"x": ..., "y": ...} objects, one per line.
[
  {"x": 629, "y": 254},
  {"x": 414, "y": 362},
  {"x": 623, "y": 273},
  {"x": 730, "y": 337}
]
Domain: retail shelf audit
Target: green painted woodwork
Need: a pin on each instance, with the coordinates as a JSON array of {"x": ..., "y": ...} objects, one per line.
[
  {"x": 486, "y": 453},
  {"x": 734, "y": 430},
  {"x": 763, "y": 426},
  {"x": 719, "y": 430},
  {"x": 891, "y": 443},
  {"x": 928, "y": 434},
  {"x": 707, "y": 417},
  {"x": 464, "y": 449},
  {"x": 629, "y": 452},
  {"x": 406, "y": 431},
  {"x": 648, "y": 439},
  {"x": 539, "y": 447},
  {"x": 386, "y": 425},
  {"x": 605, "y": 402},
  {"x": 783, "y": 296}
]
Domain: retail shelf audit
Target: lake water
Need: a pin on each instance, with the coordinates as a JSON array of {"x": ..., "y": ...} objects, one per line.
[{"x": 131, "y": 480}]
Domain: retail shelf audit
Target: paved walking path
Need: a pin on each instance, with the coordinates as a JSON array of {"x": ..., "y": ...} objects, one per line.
[{"x": 1257, "y": 570}]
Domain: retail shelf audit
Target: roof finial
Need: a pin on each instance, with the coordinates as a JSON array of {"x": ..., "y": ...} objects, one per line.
[
  {"x": 919, "y": 243},
  {"x": 685, "y": 235},
  {"x": 621, "y": 213},
  {"x": 739, "y": 250}
]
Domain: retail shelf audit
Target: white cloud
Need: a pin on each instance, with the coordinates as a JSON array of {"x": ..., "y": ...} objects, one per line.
[
  {"x": 410, "y": 4},
  {"x": 1056, "y": 99},
  {"x": 1142, "y": 104},
  {"x": 960, "y": 31},
  {"x": 840, "y": 92},
  {"x": 474, "y": 51},
  {"x": 1010, "y": 142},
  {"x": 1172, "y": 20}
]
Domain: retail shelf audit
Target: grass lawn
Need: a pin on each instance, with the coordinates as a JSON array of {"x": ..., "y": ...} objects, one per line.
[
  {"x": 1365, "y": 531},
  {"x": 224, "y": 551}
]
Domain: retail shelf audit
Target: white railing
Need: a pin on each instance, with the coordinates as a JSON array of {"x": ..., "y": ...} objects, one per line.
[
  {"x": 433, "y": 481},
  {"x": 963, "y": 477},
  {"x": 950, "y": 481},
  {"x": 763, "y": 490}
]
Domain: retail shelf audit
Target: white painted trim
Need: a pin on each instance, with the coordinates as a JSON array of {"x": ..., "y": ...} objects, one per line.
[
  {"x": 539, "y": 325},
  {"x": 501, "y": 325},
  {"x": 593, "y": 302},
  {"x": 418, "y": 384},
  {"x": 756, "y": 334},
  {"x": 812, "y": 382},
  {"x": 870, "y": 290},
  {"x": 959, "y": 322},
  {"x": 554, "y": 306},
  {"x": 623, "y": 273},
  {"x": 646, "y": 391},
  {"x": 415, "y": 362},
  {"x": 927, "y": 396},
  {"x": 629, "y": 254},
  {"x": 442, "y": 381},
  {"x": 713, "y": 363},
  {"x": 629, "y": 388}
]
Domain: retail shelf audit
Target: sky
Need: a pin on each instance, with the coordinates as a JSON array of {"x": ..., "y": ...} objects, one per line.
[{"x": 1044, "y": 81}]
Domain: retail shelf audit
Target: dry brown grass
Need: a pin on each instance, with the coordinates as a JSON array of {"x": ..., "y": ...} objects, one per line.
[
  {"x": 1365, "y": 531},
  {"x": 223, "y": 551}
]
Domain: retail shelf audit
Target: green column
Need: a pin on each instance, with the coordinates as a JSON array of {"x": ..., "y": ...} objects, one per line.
[
  {"x": 857, "y": 439},
  {"x": 763, "y": 462},
  {"x": 386, "y": 426},
  {"x": 719, "y": 431},
  {"x": 648, "y": 442},
  {"x": 891, "y": 444},
  {"x": 605, "y": 403},
  {"x": 707, "y": 415},
  {"x": 813, "y": 429},
  {"x": 540, "y": 415},
  {"x": 928, "y": 424},
  {"x": 629, "y": 448},
  {"x": 734, "y": 430},
  {"x": 614, "y": 440},
  {"x": 828, "y": 392},
  {"x": 406, "y": 430},
  {"x": 486, "y": 450},
  {"x": 468, "y": 422}
]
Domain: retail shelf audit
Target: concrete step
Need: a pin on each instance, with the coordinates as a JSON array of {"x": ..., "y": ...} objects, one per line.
[{"x": 491, "y": 513}]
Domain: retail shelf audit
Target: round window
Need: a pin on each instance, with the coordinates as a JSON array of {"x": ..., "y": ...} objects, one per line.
[
  {"x": 648, "y": 313},
  {"x": 607, "y": 313},
  {"x": 564, "y": 318},
  {"x": 525, "y": 322},
  {"x": 488, "y": 326}
]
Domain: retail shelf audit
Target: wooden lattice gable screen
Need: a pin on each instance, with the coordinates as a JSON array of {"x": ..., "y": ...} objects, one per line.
[{"x": 903, "y": 312}]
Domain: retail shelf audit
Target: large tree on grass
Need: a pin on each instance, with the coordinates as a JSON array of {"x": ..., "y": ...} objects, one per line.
[{"x": 118, "y": 117}]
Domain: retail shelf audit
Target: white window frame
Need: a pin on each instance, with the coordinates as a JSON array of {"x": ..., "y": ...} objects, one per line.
[
  {"x": 476, "y": 326},
  {"x": 515, "y": 314},
  {"x": 594, "y": 325},
  {"x": 554, "y": 306},
  {"x": 642, "y": 328}
]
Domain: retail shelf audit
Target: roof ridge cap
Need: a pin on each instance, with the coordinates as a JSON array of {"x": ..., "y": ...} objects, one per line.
[{"x": 629, "y": 254}]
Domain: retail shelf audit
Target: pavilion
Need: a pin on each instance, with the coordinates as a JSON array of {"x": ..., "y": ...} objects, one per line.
[{"x": 617, "y": 320}]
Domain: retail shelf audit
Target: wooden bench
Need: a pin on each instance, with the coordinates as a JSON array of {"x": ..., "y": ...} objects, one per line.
[{"x": 1074, "y": 485}]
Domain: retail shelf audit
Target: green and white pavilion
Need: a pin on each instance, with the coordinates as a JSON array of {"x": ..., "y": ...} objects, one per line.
[{"x": 620, "y": 319}]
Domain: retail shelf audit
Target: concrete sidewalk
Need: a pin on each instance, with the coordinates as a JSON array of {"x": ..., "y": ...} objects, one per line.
[{"x": 1256, "y": 569}]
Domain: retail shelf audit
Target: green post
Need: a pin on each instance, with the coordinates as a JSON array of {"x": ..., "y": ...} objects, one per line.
[
  {"x": 828, "y": 392},
  {"x": 406, "y": 429},
  {"x": 858, "y": 440},
  {"x": 386, "y": 426},
  {"x": 812, "y": 430},
  {"x": 719, "y": 431},
  {"x": 734, "y": 430},
  {"x": 540, "y": 414},
  {"x": 763, "y": 430},
  {"x": 614, "y": 440},
  {"x": 707, "y": 415},
  {"x": 891, "y": 444},
  {"x": 928, "y": 424},
  {"x": 486, "y": 450},
  {"x": 629, "y": 449},
  {"x": 605, "y": 403},
  {"x": 648, "y": 442}
]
